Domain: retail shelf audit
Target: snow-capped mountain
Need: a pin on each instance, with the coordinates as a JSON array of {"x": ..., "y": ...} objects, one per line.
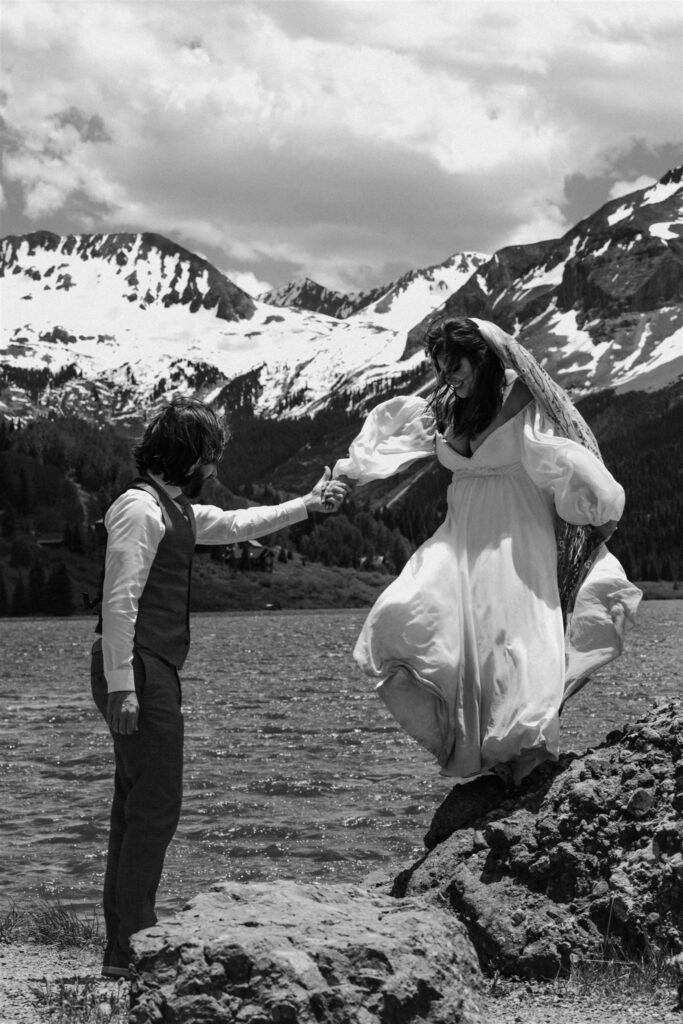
[
  {"x": 397, "y": 305},
  {"x": 600, "y": 307},
  {"x": 108, "y": 325}
]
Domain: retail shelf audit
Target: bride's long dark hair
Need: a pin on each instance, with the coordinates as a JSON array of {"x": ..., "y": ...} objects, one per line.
[{"x": 451, "y": 340}]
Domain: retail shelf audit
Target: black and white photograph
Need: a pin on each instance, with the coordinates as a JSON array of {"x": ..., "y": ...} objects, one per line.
[{"x": 341, "y": 511}]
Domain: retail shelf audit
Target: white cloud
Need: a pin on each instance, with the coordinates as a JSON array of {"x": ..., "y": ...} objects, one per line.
[
  {"x": 539, "y": 220},
  {"x": 623, "y": 188},
  {"x": 312, "y": 133},
  {"x": 248, "y": 282}
]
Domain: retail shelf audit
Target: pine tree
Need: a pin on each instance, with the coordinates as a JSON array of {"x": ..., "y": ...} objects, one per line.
[
  {"x": 21, "y": 554},
  {"x": 400, "y": 551},
  {"x": 59, "y": 597},
  {"x": 19, "y": 598},
  {"x": 26, "y": 492},
  {"x": 36, "y": 587},
  {"x": 9, "y": 523},
  {"x": 77, "y": 545}
]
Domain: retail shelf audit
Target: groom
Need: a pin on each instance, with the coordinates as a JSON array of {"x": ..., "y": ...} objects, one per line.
[{"x": 152, "y": 529}]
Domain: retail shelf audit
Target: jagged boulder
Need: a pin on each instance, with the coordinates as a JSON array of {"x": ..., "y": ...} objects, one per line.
[
  {"x": 585, "y": 859},
  {"x": 288, "y": 953}
]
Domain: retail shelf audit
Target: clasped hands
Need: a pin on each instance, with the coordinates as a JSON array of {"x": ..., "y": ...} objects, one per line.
[{"x": 327, "y": 495}]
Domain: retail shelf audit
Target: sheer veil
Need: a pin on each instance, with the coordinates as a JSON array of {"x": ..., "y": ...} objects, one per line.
[{"x": 577, "y": 546}]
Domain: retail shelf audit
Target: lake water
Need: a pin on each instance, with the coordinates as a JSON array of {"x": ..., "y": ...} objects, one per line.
[{"x": 294, "y": 767}]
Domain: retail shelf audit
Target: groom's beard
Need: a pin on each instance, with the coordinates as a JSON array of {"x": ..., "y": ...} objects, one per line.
[{"x": 195, "y": 485}]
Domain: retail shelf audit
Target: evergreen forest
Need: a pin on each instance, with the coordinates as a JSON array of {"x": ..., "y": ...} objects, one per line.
[{"x": 59, "y": 474}]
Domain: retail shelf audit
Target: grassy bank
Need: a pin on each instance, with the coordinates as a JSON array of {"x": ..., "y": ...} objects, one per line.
[{"x": 292, "y": 584}]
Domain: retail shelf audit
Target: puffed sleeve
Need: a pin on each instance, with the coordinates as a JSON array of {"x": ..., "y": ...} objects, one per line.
[
  {"x": 395, "y": 433},
  {"x": 583, "y": 490}
]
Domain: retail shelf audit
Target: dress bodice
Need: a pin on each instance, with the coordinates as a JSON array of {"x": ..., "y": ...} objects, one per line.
[{"x": 498, "y": 454}]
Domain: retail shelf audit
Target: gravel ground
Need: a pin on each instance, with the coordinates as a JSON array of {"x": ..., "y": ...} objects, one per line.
[
  {"x": 45, "y": 984},
  {"x": 554, "y": 1004}
]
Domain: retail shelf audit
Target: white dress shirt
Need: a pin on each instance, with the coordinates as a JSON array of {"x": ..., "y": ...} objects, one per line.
[{"x": 135, "y": 527}]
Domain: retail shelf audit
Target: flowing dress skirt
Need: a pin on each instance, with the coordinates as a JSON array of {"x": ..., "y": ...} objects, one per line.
[{"x": 467, "y": 645}]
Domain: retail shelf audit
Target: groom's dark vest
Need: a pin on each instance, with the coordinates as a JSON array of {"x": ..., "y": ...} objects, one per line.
[{"x": 163, "y": 621}]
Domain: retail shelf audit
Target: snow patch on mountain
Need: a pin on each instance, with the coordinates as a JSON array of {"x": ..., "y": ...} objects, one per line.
[
  {"x": 395, "y": 306},
  {"x": 665, "y": 230},
  {"x": 621, "y": 214},
  {"x": 421, "y": 292},
  {"x": 661, "y": 190}
]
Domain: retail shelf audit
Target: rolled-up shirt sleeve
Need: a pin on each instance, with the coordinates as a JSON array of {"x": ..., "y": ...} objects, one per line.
[
  {"x": 215, "y": 526},
  {"x": 134, "y": 531}
]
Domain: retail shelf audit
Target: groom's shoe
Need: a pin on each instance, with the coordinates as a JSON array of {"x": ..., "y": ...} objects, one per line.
[{"x": 116, "y": 963}]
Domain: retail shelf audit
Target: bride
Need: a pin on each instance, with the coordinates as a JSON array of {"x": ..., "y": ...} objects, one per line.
[{"x": 515, "y": 600}]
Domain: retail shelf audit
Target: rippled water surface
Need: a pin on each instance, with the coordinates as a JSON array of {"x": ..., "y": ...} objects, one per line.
[{"x": 294, "y": 768}]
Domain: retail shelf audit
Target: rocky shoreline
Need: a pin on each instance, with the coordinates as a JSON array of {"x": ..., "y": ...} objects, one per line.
[
  {"x": 519, "y": 892},
  {"x": 584, "y": 860},
  {"x": 582, "y": 864},
  {"x": 28, "y": 971}
]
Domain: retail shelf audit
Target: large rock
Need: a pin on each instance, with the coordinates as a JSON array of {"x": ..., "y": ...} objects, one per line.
[
  {"x": 285, "y": 953},
  {"x": 585, "y": 859}
]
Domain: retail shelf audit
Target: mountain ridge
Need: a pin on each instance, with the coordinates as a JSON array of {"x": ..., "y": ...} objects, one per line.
[
  {"x": 111, "y": 324},
  {"x": 613, "y": 283},
  {"x": 308, "y": 294}
]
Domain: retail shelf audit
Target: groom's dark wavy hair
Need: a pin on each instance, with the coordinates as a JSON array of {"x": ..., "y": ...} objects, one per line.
[
  {"x": 451, "y": 339},
  {"x": 184, "y": 434}
]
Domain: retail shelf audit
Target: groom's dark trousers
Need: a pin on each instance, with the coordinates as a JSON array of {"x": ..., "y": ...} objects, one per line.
[{"x": 148, "y": 783}]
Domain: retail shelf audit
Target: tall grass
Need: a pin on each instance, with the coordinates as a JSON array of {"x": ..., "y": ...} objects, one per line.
[
  {"x": 82, "y": 1001},
  {"x": 617, "y": 974},
  {"x": 51, "y": 924},
  {"x": 65, "y": 1000},
  {"x": 650, "y": 979},
  {"x": 650, "y": 976},
  {"x": 10, "y": 922}
]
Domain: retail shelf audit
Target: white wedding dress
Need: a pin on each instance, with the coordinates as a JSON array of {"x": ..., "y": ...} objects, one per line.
[{"x": 467, "y": 645}]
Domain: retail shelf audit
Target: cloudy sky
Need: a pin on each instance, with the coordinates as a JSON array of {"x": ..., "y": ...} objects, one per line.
[{"x": 342, "y": 140}]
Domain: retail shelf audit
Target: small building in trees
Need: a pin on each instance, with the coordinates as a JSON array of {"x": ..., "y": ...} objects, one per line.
[{"x": 245, "y": 556}]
